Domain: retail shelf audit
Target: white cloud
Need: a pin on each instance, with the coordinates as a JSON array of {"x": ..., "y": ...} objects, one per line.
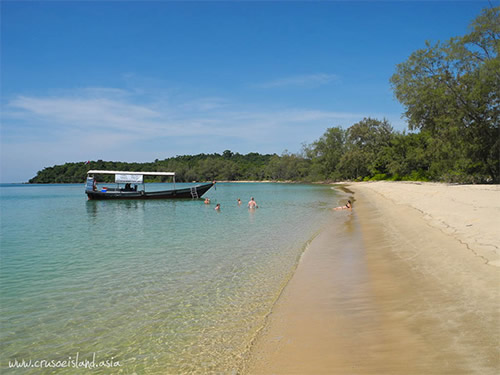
[
  {"x": 84, "y": 112},
  {"x": 119, "y": 115},
  {"x": 113, "y": 124},
  {"x": 302, "y": 81}
]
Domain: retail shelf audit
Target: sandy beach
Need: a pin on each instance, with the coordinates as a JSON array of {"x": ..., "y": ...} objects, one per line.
[{"x": 409, "y": 285}]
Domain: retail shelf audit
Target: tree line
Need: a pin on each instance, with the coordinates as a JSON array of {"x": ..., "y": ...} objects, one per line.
[
  {"x": 187, "y": 168},
  {"x": 451, "y": 95}
]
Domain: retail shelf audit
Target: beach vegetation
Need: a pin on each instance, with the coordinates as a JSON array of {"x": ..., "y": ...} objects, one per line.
[
  {"x": 377, "y": 177},
  {"x": 450, "y": 91}
]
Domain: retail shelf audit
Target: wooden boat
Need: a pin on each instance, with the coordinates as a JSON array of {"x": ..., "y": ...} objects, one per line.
[{"x": 130, "y": 185}]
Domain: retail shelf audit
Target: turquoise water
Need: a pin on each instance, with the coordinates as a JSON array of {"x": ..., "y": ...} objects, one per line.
[{"x": 161, "y": 287}]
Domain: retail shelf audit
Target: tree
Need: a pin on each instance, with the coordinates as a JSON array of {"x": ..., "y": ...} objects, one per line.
[
  {"x": 364, "y": 144},
  {"x": 452, "y": 91},
  {"x": 326, "y": 152},
  {"x": 407, "y": 155}
]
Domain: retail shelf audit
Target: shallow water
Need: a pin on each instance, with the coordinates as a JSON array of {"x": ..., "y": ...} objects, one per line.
[{"x": 167, "y": 286}]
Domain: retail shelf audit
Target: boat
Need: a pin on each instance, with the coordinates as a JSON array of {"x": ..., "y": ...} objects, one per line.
[{"x": 130, "y": 185}]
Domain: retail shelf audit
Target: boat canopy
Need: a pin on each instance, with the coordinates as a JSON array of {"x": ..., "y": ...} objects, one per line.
[
  {"x": 122, "y": 177},
  {"x": 133, "y": 173}
]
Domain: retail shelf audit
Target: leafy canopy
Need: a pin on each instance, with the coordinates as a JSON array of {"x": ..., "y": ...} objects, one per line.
[{"x": 452, "y": 90}]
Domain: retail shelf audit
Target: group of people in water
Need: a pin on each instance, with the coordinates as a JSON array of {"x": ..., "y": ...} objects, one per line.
[{"x": 251, "y": 204}]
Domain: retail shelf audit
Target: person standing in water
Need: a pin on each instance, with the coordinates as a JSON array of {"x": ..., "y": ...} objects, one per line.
[{"x": 252, "y": 203}]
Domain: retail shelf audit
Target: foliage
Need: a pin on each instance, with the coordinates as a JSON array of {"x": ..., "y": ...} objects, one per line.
[
  {"x": 364, "y": 145},
  {"x": 451, "y": 90},
  {"x": 326, "y": 152},
  {"x": 201, "y": 167}
]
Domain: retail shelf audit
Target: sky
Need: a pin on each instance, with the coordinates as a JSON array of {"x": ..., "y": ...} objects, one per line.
[{"x": 145, "y": 80}]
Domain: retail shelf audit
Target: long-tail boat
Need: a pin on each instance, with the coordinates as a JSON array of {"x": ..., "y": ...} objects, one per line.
[{"x": 131, "y": 185}]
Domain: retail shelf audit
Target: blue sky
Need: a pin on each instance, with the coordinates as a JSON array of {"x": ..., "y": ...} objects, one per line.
[{"x": 138, "y": 81}]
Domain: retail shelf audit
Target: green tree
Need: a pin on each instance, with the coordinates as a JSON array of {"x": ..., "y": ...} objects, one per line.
[
  {"x": 364, "y": 145},
  {"x": 452, "y": 91},
  {"x": 326, "y": 153},
  {"x": 227, "y": 154},
  {"x": 408, "y": 155},
  {"x": 287, "y": 167}
]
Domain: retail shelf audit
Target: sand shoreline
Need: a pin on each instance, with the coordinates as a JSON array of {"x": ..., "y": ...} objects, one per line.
[
  {"x": 418, "y": 295},
  {"x": 469, "y": 213}
]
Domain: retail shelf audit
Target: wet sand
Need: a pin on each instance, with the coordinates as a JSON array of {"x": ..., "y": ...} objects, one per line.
[{"x": 392, "y": 291}]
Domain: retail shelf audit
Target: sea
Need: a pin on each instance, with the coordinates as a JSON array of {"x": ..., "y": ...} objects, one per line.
[{"x": 147, "y": 287}]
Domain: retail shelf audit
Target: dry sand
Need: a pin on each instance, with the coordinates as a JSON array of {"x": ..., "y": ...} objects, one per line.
[
  {"x": 408, "y": 285},
  {"x": 469, "y": 213}
]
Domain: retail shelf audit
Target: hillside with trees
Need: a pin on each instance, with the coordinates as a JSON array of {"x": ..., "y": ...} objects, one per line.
[
  {"x": 201, "y": 167},
  {"x": 450, "y": 91}
]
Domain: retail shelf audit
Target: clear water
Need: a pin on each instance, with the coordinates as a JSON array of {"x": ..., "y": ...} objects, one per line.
[{"x": 162, "y": 287}]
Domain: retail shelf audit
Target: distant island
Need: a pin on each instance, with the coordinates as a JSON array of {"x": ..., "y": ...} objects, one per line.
[{"x": 452, "y": 104}]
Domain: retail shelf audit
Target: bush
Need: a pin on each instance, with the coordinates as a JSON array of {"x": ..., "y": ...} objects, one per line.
[
  {"x": 395, "y": 177},
  {"x": 379, "y": 177},
  {"x": 416, "y": 176}
]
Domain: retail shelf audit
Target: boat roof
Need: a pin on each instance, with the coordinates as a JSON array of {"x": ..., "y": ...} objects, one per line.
[{"x": 94, "y": 171}]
